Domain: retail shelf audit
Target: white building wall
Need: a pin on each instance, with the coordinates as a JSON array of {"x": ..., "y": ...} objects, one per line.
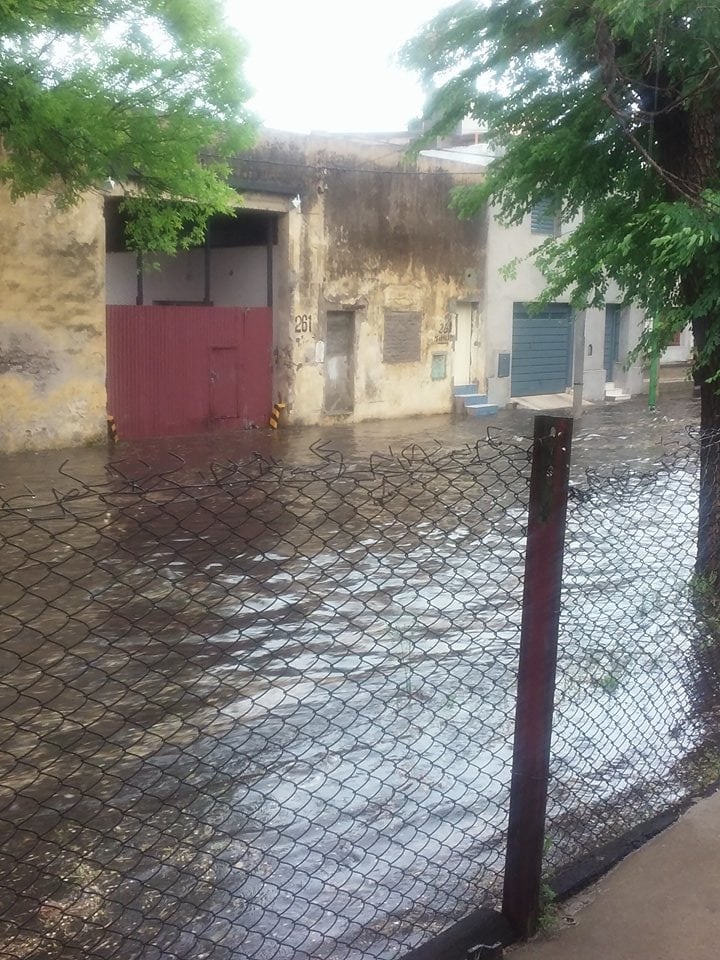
[
  {"x": 238, "y": 277},
  {"x": 594, "y": 368},
  {"x": 120, "y": 278},
  {"x": 524, "y": 284},
  {"x": 629, "y": 379},
  {"x": 675, "y": 363}
]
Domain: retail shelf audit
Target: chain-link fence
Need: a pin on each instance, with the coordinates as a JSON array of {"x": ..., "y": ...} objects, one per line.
[
  {"x": 268, "y": 712},
  {"x": 637, "y": 718}
]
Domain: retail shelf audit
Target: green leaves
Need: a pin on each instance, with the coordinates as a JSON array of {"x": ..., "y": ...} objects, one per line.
[
  {"x": 610, "y": 109},
  {"x": 147, "y": 92}
]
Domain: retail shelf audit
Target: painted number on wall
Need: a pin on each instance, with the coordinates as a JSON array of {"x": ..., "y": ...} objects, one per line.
[
  {"x": 448, "y": 324},
  {"x": 447, "y": 328},
  {"x": 303, "y": 323}
]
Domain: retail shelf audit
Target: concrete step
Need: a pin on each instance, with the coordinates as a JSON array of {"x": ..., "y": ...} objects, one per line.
[
  {"x": 615, "y": 394},
  {"x": 464, "y": 389},
  {"x": 481, "y": 409},
  {"x": 468, "y": 400}
]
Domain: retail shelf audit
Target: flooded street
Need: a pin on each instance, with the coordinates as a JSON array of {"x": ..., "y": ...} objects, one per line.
[
  {"x": 265, "y": 710},
  {"x": 608, "y": 434}
]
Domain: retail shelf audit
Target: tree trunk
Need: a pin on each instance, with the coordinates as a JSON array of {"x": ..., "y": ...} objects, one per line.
[
  {"x": 707, "y": 564},
  {"x": 687, "y": 137}
]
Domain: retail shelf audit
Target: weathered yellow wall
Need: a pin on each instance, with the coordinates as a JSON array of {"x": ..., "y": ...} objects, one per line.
[
  {"x": 52, "y": 324},
  {"x": 370, "y": 235}
]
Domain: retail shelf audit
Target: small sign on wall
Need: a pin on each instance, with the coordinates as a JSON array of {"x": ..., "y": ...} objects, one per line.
[
  {"x": 448, "y": 326},
  {"x": 438, "y": 366},
  {"x": 303, "y": 323},
  {"x": 503, "y": 365}
]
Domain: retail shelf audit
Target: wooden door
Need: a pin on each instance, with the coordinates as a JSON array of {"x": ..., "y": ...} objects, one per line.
[
  {"x": 340, "y": 363},
  {"x": 462, "y": 363}
]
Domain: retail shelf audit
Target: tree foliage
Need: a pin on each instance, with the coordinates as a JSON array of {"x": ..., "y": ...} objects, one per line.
[
  {"x": 146, "y": 93},
  {"x": 610, "y": 109}
]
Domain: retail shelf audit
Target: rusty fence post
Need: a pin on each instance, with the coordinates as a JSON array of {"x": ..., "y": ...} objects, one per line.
[{"x": 549, "y": 480}]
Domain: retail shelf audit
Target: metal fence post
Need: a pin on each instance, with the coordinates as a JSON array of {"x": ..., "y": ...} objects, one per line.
[{"x": 536, "y": 676}]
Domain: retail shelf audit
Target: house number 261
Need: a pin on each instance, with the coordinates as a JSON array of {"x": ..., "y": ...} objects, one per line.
[{"x": 303, "y": 323}]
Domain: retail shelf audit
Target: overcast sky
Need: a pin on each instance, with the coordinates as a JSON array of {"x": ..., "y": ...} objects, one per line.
[{"x": 326, "y": 64}]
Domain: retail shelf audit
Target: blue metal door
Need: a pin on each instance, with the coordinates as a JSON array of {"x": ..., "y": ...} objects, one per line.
[{"x": 542, "y": 349}]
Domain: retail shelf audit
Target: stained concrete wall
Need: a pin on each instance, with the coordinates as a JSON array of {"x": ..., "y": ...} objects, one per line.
[
  {"x": 52, "y": 323},
  {"x": 367, "y": 234}
]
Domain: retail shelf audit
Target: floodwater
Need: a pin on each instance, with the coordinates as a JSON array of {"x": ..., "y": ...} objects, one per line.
[
  {"x": 266, "y": 710},
  {"x": 608, "y": 435}
]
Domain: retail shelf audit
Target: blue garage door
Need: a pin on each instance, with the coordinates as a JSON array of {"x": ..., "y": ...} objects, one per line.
[{"x": 541, "y": 350}]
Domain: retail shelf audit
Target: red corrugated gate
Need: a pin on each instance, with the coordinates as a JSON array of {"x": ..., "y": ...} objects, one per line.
[{"x": 184, "y": 370}]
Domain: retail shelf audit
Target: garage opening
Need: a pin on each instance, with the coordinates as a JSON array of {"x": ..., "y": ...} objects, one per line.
[
  {"x": 236, "y": 266},
  {"x": 189, "y": 336}
]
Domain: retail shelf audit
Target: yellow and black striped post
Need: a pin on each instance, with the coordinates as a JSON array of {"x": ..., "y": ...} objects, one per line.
[
  {"x": 112, "y": 430},
  {"x": 275, "y": 415}
]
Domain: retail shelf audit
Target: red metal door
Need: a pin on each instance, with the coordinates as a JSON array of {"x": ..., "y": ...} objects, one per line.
[
  {"x": 223, "y": 383},
  {"x": 159, "y": 365}
]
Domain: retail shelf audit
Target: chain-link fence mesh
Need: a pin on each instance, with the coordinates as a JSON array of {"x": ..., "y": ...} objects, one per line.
[
  {"x": 637, "y": 718},
  {"x": 268, "y": 713}
]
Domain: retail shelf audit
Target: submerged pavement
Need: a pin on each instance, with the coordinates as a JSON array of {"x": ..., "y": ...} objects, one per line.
[
  {"x": 608, "y": 435},
  {"x": 661, "y": 903},
  {"x": 255, "y": 700}
]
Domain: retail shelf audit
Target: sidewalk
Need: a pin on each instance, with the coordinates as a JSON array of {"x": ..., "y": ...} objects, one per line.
[{"x": 661, "y": 903}]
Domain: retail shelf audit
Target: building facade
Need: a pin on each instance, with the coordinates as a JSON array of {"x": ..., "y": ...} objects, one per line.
[
  {"x": 344, "y": 288},
  {"x": 374, "y": 269},
  {"x": 533, "y": 351}
]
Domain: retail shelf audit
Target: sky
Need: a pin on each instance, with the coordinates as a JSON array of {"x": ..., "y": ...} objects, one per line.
[{"x": 326, "y": 64}]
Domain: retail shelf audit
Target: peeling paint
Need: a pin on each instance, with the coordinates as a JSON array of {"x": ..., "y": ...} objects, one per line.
[
  {"x": 52, "y": 324},
  {"x": 36, "y": 417},
  {"x": 370, "y": 234}
]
